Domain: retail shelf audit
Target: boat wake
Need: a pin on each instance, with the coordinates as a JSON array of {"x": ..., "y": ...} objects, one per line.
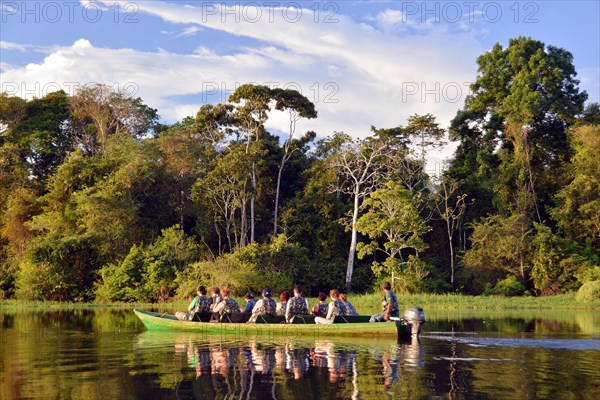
[{"x": 569, "y": 344}]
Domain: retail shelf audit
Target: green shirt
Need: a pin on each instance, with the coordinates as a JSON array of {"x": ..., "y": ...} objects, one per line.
[
  {"x": 390, "y": 297},
  {"x": 200, "y": 304}
]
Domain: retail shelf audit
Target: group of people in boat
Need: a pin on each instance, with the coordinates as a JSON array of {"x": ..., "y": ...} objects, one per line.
[{"x": 221, "y": 303}]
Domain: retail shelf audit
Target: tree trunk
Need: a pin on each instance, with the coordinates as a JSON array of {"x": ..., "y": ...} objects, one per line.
[
  {"x": 451, "y": 262},
  {"x": 277, "y": 196},
  {"x": 227, "y": 215},
  {"x": 243, "y": 223},
  {"x": 353, "y": 241},
  {"x": 219, "y": 236},
  {"x": 181, "y": 204},
  {"x": 449, "y": 233},
  {"x": 252, "y": 201}
]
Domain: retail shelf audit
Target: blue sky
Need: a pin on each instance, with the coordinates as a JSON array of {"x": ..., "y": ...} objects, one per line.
[{"x": 362, "y": 62}]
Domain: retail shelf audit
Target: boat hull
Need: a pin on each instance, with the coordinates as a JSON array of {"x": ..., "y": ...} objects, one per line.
[{"x": 166, "y": 322}]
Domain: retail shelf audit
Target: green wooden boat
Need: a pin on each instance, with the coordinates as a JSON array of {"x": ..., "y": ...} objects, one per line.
[{"x": 167, "y": 322}]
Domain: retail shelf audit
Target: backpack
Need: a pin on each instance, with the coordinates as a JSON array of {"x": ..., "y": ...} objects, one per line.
[{"x": 298, "y": 306}]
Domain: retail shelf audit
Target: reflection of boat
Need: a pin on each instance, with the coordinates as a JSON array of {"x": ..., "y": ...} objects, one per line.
[
  {"x": 229, "y": 367},
  {"x": 157, "y": 321}
]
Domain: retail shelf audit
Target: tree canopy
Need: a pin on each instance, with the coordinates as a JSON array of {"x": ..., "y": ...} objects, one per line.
[{"x": 98, "y": 200}]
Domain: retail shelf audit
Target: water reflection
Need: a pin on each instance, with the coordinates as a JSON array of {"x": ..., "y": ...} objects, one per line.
[
  {"x": 98, "y": 354},
  {"x": 253, "y": 369}
]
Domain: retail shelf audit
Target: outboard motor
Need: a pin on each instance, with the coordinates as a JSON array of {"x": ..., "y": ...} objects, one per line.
[{"x": 416, "y": 317}]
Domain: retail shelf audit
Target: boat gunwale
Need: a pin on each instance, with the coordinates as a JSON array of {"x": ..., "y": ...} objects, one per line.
[{"x": 156, "y": 321}]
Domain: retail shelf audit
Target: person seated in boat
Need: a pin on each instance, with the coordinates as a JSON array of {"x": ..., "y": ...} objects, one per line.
[
  {"x": 297, "y": 305},
  {"x": 389, "y": 303},
  {"x": 335, "y": 308},
  {"x": 320, "y": 309},
  {"x": 216, "y": 297},
  {"x": 282, "y": 303},
  {"x": 265, "y": 306},
  {"x": 250, "y": 302},
  {"x": 200, "y": 304},
  {"x": 227, "y": 305},
  {"x": 350, "y": 310}
]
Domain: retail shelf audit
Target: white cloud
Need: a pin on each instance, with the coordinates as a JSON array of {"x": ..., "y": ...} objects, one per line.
[
  {"x": 356, "y": 74},
  {"x": 82, "y": 44},
  {"x": 12, "y": 46},
  {"x": 191, "y": 31},
  {"x": 89, "y": 4}
]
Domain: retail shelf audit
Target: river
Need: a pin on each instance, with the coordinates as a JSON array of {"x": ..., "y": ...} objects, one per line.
[{"x": 105, "y": 353}]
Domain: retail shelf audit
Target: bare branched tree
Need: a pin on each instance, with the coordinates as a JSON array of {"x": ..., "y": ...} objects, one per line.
[
  {"x": 362, "y": 167},
  {"x": 450, "y": 205}
]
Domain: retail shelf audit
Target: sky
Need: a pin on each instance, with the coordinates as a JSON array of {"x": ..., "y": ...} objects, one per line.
[{"x": 362, "y": 63}]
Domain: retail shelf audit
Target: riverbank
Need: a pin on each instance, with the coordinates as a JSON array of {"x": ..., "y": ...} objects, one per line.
[
  {"x": 457, "y": 302},
  {"x": 365, "y": 303}
]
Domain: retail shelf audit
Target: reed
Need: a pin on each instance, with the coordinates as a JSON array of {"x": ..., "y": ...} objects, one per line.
[
  {"x": 372, "y": 301},
  {"x": 366, "y": 303}
]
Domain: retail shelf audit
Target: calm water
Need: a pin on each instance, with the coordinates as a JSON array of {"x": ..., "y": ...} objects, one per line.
[{"x": 107, "y": 354}]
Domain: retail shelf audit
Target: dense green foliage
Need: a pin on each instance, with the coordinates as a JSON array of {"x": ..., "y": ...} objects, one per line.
[
  {"x": 589, "y": 292},
  {"x": 98, "y": 201}
]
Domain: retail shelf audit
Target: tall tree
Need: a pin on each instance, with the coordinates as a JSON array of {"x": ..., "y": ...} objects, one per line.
[
  {"x": 361, "y": 166},
  {"x": 391, "y": 215},
  {"x": 224, "y": 189},
  {"x": 578, "y": 208},
  {"x": 297, "y": 107},
  {"x": 450, "y": 205},
  {"x": 532, "y": 89},
  {"x": 252, "y": 106},
  {"x": 38, "y": 128},
  {"x": 426, "y": 131},
  {"x": 98, "y": 112},
  {"x": 12, "y": 110}
]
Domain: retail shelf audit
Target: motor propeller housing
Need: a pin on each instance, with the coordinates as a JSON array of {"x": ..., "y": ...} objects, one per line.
[{"x": 416, "y": 317}]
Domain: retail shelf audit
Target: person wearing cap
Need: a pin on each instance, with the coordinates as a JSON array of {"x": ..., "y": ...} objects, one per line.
[
  {"x": 200, "y": 304},
  {"x": 297, "y": 305},
  {"x": 335, "y": 308},
  {"x": 264, "y": 306},
  {"x": 250, "y": 302}
]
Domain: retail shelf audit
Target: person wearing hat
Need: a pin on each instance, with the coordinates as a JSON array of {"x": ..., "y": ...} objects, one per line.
[
  {"x": 200, "y": 304},
  {"x": 264, "y": 306},
  {"x": 250, "y": 302}
]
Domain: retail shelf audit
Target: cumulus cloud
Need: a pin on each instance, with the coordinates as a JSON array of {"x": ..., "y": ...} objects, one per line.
[{"x": 357, "y": 74}]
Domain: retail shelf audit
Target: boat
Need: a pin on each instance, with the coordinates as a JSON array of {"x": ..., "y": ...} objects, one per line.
[{"x": 400, "y": 328}]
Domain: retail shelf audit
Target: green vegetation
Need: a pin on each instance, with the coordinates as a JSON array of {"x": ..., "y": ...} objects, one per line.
[
  {"x": 99, "y": 202},
  {"x": 589, "y": 292},
  {"x": 366, "y": 303}
]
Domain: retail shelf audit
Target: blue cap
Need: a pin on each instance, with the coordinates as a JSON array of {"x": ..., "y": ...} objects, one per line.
[{"x": 266, "y": 292}]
